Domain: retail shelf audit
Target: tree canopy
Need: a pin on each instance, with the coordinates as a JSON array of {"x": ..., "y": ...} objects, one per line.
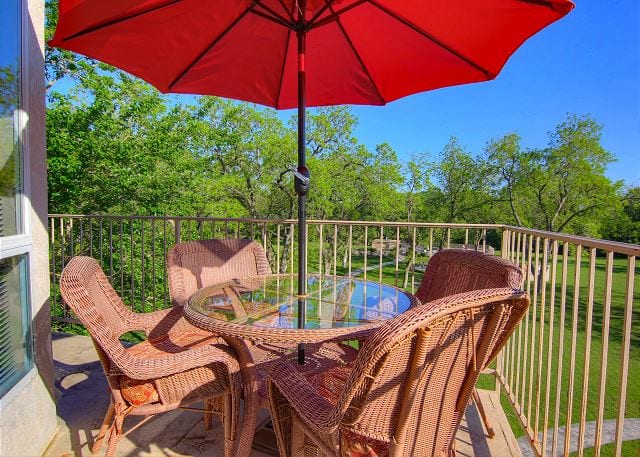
[{"x": 118, "y": 146}]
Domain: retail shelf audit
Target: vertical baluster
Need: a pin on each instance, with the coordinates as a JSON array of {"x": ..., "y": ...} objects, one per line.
[
  {"x": 534, "y": 330},
  {"x": 366, "y": 250},
  {"x": 153, "y": 262},
  {"x": 484, "y": 240},
  {"x": 626, "y": 341},
  {"x": 293, "y": 244},
  {"x": 543, "y": 304},
  {"x": 54, "y": 279},
  {"x": 101, "y": 238},
  {"x": 561, "y": 324},
  {"x": 604, "y": 352},
  {"x": 122, "y": 257},
  {"x": 142, "y": 267},
  {"x": 413, "y": 261},
  {"x": 111, "y": 249},
  {"x": 164, "y": 263},
  {"x": 350, "y": 246},
  {"x": 526, "y": 325},
  {"x": 552, "y": 303},
  {"x": 430, "y": 242},
  {"x": 574, "y": 332},
  {"x": 278, "y": 268},
  {"x": 320, "y": 249},
  {"x": 335, "y": 249},
  {"x": 397, "y": 253},
  {"x": 381, "y": 248},
  {"x": 587, "y": 350},
  {"x": 133, "y": 267}
]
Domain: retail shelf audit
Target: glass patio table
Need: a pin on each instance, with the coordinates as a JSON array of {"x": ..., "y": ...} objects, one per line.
[{"x": 264, "y": 309}]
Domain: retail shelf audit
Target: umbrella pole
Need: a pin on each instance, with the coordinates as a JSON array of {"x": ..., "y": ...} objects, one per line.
[{"x": 301, "y": 188}]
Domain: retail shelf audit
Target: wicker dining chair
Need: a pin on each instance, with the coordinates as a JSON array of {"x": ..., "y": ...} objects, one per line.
[
  {"x": 196, "y": 264},
  {"x": 407, "y": 390},
  {"x": 176, "y": 366},
  {"x": 452, "y": 271}
]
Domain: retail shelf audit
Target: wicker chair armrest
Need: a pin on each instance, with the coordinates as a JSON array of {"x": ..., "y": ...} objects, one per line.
[
  {"x": 150, "y": 368},
  {"x": 149, "y": 321},
  {"x": 313, "y": 408}
]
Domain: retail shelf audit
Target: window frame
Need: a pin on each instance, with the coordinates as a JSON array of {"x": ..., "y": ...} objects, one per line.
[{"x": 22, "y": 243}]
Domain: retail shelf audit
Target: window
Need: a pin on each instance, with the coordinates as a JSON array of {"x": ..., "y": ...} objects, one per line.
[{"x": 15, "y": 242}]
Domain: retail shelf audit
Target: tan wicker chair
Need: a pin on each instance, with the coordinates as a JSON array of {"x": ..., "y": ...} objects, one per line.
[
  {"x": 200, "y": 263},
  {"x": 408, "y": 388},
  {"x": 177, "y": 365},
  {"x": 452, "y": 271}
]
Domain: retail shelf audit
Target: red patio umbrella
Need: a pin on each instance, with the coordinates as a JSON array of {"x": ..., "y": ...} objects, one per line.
[{"x": 298, "y": 53}]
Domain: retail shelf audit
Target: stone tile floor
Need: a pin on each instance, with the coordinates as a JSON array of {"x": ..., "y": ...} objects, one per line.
[{"x": 82, "y": 399}]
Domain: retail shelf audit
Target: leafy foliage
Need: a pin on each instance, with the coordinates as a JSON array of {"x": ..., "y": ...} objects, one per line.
[{"x": 117, "y": 146}]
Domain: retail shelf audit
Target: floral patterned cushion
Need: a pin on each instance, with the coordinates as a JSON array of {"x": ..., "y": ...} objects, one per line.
[
  {"x": 330, "y": 384},
  {"x": 138, "y": 392}
]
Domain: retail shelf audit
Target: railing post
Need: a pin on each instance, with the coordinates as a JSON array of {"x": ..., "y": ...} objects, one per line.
[
  {"x": 506, "y": 233},
  {"x": 176, "y": 226}
]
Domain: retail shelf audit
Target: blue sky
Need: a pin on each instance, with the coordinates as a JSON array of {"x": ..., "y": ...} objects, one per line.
[{"x": 587, "y": 63}]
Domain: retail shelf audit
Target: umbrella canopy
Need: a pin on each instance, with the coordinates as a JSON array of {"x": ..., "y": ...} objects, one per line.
[
  {"x": 357, "y": 51},
  {"x": 298, "y": 53}
]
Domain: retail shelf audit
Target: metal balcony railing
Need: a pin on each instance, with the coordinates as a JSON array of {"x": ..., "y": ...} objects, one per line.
[{"x": 566, "y": 369}]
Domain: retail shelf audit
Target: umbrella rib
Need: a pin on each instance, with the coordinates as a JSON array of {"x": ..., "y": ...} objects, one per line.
[
  {"x": 355, "y": 51},
  {"x": 111, "y": 22},
  {"x": 284, "y": 62},
  {"x": 278, "y": 18},
  {"x": 335, "y": 15},
  {"x": 208, "y": 48},
  {"x": 289, "y": 13},
  {"x": 326, "y": 5},
  {"x": 274, "y": 19},
  {"x": 430, "y": 37}
]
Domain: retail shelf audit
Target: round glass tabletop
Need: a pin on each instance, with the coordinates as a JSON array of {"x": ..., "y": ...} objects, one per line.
[{"x": 272, "y": 302}]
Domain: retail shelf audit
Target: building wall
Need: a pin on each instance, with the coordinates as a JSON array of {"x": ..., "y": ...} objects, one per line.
[{"x": 27, "y": 413}]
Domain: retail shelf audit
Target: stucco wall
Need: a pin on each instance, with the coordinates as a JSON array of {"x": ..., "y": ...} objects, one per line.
[{"x": 27, "y": 412}]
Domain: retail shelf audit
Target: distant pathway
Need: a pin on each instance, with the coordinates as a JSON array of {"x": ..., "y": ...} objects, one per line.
[
  {"x": 631, "y": 432},
  {"x": 359, "y": 271}
]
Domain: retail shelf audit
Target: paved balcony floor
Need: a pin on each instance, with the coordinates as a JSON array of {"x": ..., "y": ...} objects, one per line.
[{"x": 82, "y": 399}]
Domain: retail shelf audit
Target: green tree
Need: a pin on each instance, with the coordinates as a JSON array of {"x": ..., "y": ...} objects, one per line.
[
  {"x": 625, "y": 224},
  {"x": 462, "y": 192},
  {"x": 561, "y": 187}
]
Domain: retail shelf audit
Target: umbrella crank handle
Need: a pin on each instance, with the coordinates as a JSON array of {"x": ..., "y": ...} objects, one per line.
[{"x": 301, "y": 181}]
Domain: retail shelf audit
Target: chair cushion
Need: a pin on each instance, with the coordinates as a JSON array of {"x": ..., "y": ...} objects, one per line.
[
  {"x": 330, "y": 384},
  {"x": 354, "y": 445},
  {"x": 138, "y": 392}
]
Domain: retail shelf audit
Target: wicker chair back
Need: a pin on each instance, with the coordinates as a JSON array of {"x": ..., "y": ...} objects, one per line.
[
  {"x": 200, "y": 263},
  {"x": 453, "y": 271}
]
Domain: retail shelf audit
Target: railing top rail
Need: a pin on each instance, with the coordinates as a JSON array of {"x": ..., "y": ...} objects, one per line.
[
  {"x": 282, "y": 221},
  {"x": 613, "y": 246}
]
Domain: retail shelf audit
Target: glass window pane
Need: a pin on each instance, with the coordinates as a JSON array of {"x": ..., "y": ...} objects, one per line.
[
  {"x": 15, "y": 341},
  {"x": 10, "y": 160}
]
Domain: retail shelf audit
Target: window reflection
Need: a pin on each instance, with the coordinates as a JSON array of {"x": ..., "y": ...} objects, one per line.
[{"x": 10, "y": 154}]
